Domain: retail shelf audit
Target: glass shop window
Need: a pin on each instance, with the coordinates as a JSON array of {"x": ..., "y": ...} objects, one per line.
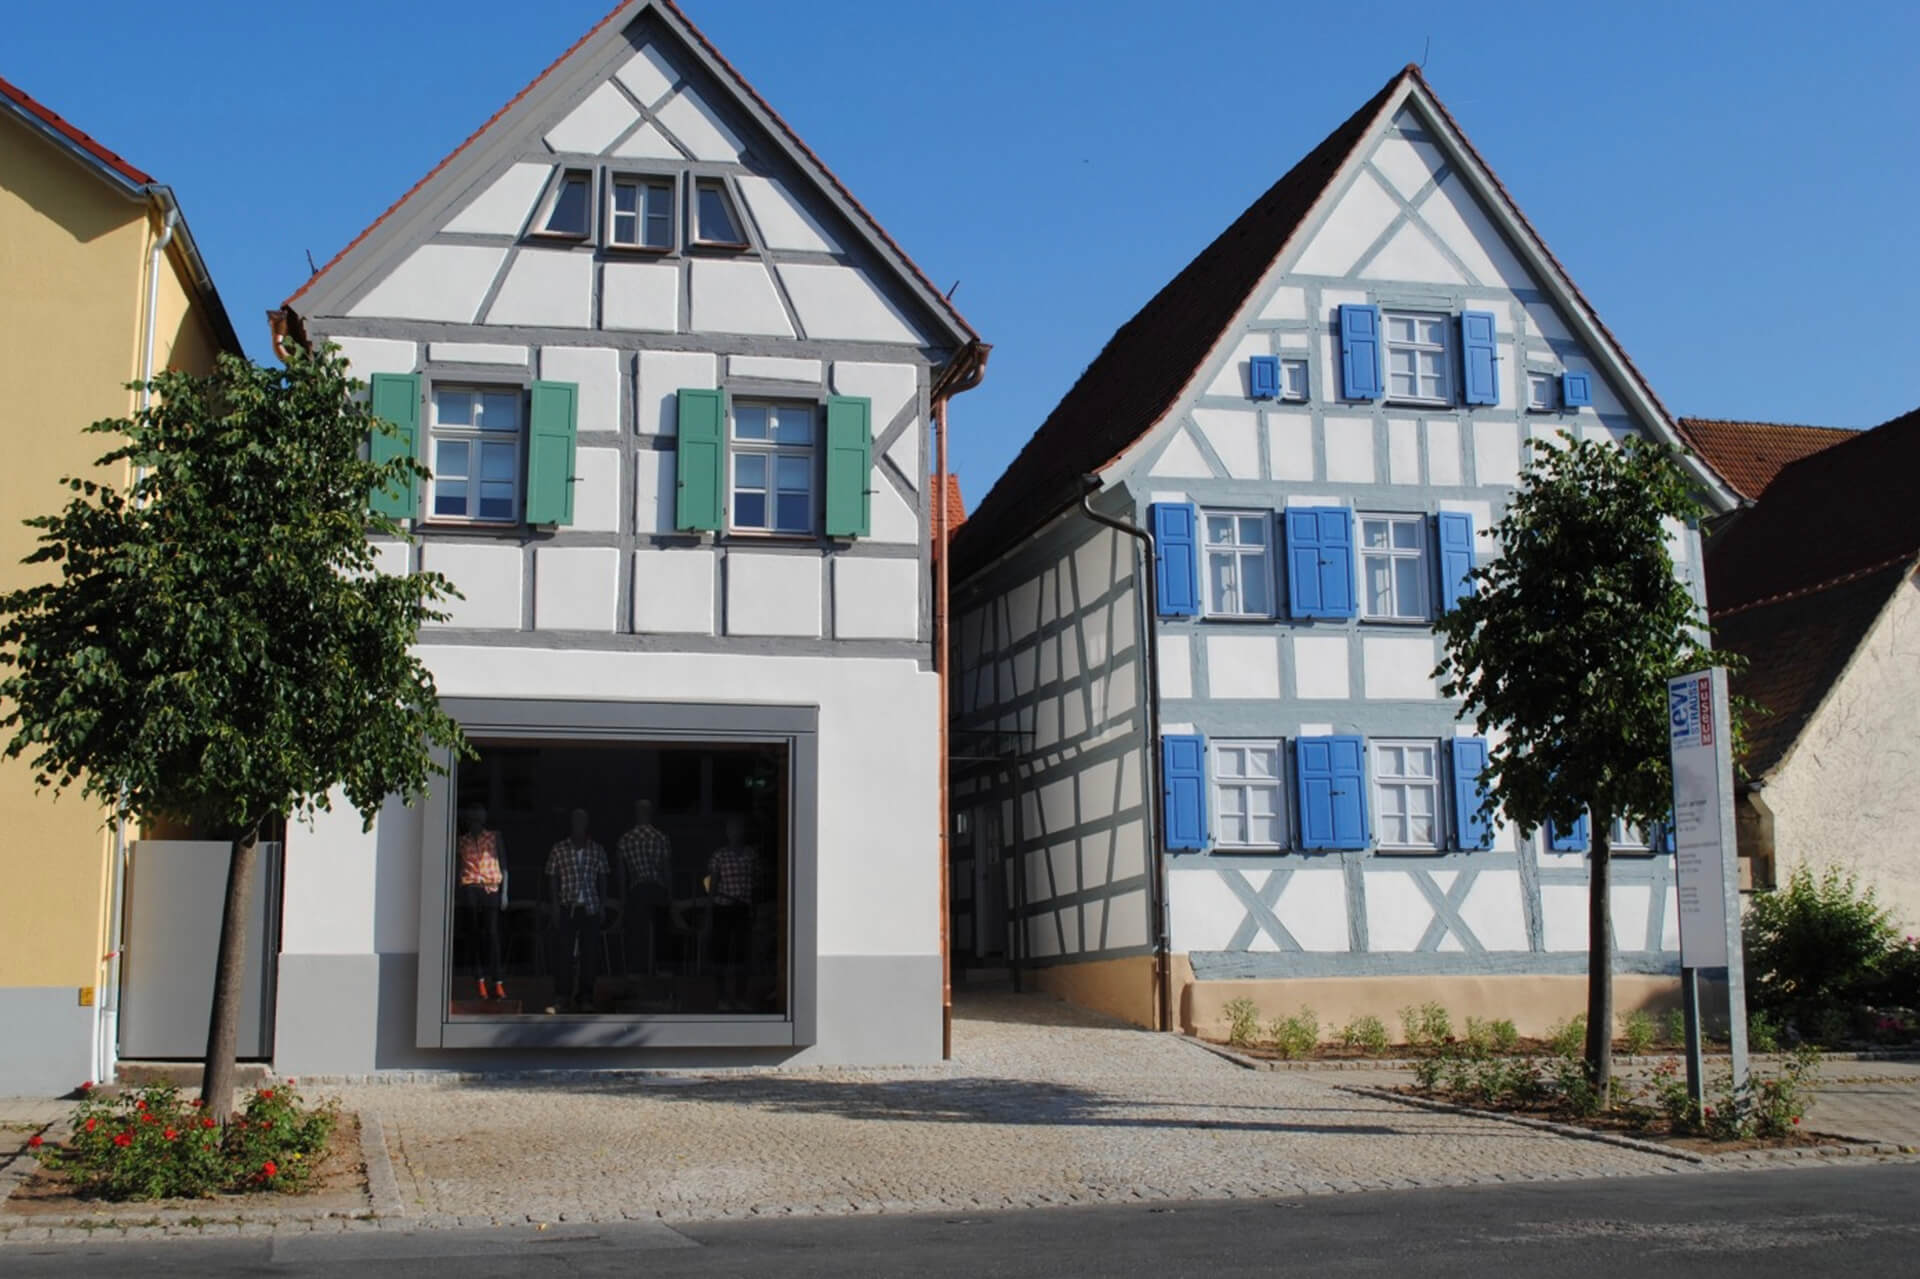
[{"x": 619, "y": 879}]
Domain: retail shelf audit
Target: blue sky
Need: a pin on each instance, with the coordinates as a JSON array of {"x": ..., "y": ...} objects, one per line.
[{"x": 1732, "y": 185}]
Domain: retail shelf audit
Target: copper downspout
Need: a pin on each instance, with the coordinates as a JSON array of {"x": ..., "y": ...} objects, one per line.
[{"x": 963, "y": 374}]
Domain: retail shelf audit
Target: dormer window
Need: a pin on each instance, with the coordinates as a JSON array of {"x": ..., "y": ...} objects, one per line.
[
  {"x": 569, "y": 211},
  {"x": 715, "y": 223},
  {"x": 641, "y": 216}
]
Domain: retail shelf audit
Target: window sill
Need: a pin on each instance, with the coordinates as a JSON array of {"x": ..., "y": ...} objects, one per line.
[
  {"x": 1414, "y": 402},
  {"x": 1411, "y": 850},
  {"x": 443, "y": 524},
  {"x": 1397, "y": 621},
  {"x": 1250, "y": 850},
  {"x": 719, "y": 246},
  {"x": 768, "y": 535},
  {"x": 559, "y": 237},
  {"x": 1236, "y": 617},
  {"x": 640, "y": 250}
]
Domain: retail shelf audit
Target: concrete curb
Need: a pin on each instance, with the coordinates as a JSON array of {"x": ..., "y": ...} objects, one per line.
[{"x": 383, "y": 1188}]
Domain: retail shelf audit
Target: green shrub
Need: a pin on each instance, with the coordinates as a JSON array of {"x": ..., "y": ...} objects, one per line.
[
  {"x": 1296, "y": 1036},
  {"x": 1243, "y": 1022},
  {"x": 1426, "y": 1025},
  {"x": 1673, "y": 1028},
  {"x": 1763, "y": 1033},
  {"x": 1636, "y": 1032},
  {"x": 1816, "y": 943},
  {"x": 1367, "y": 1033},
  {"x": 1569, "y": 1038},
  {"x": 149, "y": 1144}
]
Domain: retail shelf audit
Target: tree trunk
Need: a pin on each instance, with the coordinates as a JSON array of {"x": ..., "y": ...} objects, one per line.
[
  {"x": 1600, "y": 956},
  {"x": 229, "y": 977}
]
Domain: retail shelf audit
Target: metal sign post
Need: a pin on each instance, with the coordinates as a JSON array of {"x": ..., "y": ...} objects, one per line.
[{"x": 1706, "y": 862}]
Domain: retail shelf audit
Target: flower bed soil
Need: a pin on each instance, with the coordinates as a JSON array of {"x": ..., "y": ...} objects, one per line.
[
  {"x": 1657, "y": 1130},
  {"x": 338, "y": 1187},
  {"x": 1409, "y": 1052}
]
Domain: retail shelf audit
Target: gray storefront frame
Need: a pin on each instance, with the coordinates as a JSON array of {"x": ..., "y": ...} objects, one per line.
[{"x": 796, "y": 727}]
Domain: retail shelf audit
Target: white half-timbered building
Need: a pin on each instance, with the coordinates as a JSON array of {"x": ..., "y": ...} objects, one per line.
[
  {"x": 1238, "y": 776},
  {"x": 675, "y": 386}
]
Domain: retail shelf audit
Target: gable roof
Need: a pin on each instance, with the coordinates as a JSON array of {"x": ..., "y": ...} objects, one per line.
[
  {"x": 1748, "y": 455},
  {"x": 1151, "y": 360},
  {"x": 612, "y": 26},
  {"x": 1797, "y": 582},
  {"x": 131, "y": 181}
]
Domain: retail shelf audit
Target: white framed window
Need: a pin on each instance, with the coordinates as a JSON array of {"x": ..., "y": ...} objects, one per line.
[
  {"x": 1630, "y": 836},
  {"x": 1249, "y": 795},
  {"x": 475, "y": 435},
  {"x": 1239, "y": 563},
  {"x": 1419, "y": 365},
  {"x": 640, "y": 212},
  {"x": 1393, "y": 568},
  {"x": 715, "y": 221},
  {"x": 569, "y": 210},
  {"x": 1406, "y": 793},
  {"x": 773, "y": 466},
  {"x": 1293, "y": 380},
  {"x": 1543, "y": 392}
]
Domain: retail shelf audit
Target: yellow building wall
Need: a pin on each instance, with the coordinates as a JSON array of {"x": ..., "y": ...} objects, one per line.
[{"x": 74, "y": 255}]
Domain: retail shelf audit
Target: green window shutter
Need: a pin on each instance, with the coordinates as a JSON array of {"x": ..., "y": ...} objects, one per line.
[
  {"x": 702, "y": 452},
  {"x": 395, "y": 400},
  {"x": 849, "y": 466},
  {"x": 551, "y": 420}
]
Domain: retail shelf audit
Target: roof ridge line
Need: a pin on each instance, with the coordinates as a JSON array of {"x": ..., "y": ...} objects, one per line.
[{"x": 1801, "y": 592}]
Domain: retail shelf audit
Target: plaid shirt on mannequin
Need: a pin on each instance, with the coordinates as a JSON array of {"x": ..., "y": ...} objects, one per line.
[
  {"x": 733, "y": 873},
  {"x": 579, "y": 867},
  {"x": 647, "y": 855}
]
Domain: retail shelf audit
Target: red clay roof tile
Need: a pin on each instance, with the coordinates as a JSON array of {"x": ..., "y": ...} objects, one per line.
[{"x": 1748, "y": 455}]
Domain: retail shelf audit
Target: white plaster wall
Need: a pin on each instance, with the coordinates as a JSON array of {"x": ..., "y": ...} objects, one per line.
[
  {"x": 1349, "y": 449},
  {"x": 1320, "y": 667},
  {"x": 876, "y": 599},
  {"x": 546, "y": 288},
  {"x": 598, "y": 373},
  {"x": 736, "y": 297},
  {"x": 591, "y": 127},
  {"x": 1233, "y": 380},
  {"x": 839, "y": 303},
  {"x": 688, "y": 117},
  {"x": 779, "y": 368},
  {"x": 476, "y": 353},
  {"x": 487, "y": 575},
  {"x": 1456, "y": 218},
  {"x": 1399, "y": 666},
  {"x": 1403, "y": 451},
  {"x": 502, "y": 208},
  {"x": 662, "y": 375},
  {"x": 367, "y": 356},
  {"x": 893, "y": 521},
  {"x": 1313, "y": 907},
  {"x": 1176, "y": 666},
  {"x": 1285, "y": 303},
  {"x": 773, "y": 594},
  {"x": 1563, "y": 916},
  {"x": 783, "y": 223},
  {"x": 435, "y": 282},
  {"x": 648, "y": 74},
  {"x": 1496, "y": 453},
  {"x": 1408, "y": 166},
  {"x": 1846, "y": 795},
  {"x": 648, "y": 143},
  {"x": 1443, "y": 452},
  {"x": 1234, "y": 435},
  {"x": 1397, "y": 911},
  {"x": 642, "y": 296},
  {"x": 655, "y": 491},
  {"x": 393, "y": 558},
  {"x": 1290, "y": 446},
  {"x": 1202, "y": 912},
  {"x": 596, "y": 491},
  {"x": 1243, "y": 666},
  {"x": 1493, "y": 909},
  {"x": 1364, "y": 211},
  {"x": 576, "y": 588},
  {"x": 1182, "y": 458},
  {"x": 673, "y": 591},
  {"x": 1629, "y": 904}
]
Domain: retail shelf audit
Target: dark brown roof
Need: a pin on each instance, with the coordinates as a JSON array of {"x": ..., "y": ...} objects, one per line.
[
  {"x": 1795, "y": 649},
  {"x": 1133, "y": 382},
  {"x": 1747, "y": 455},
  {"x": 1830, "y": 517}
]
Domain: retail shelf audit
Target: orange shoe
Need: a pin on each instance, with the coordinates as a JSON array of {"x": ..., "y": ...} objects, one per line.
[
  {"x": 483, "y": 988},
  {"x": 499, "y": 989}
]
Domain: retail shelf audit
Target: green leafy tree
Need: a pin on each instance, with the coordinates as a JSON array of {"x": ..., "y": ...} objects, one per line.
[
  {"x": 217, "y": 645},
  {"x": 1562, "y": 654},
  {"x": 1818, "y": 943}
]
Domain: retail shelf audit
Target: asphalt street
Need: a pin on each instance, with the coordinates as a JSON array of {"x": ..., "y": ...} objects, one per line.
[{"x": 1862, "y": 1221}]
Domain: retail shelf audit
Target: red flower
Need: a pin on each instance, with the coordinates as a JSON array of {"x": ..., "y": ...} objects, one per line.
[
  {"x": 266, "y": 1094},
  {"x": 141, "y": 1104},
  {"x": 206, "y": 1121},
  {"x": 268, "y": 1169},
  {"x": 1796, "y": 1119},
  {"x": 123, "y": 1139},
  {"x": 87, "y": 1087},
  {"x": 148, "y": 1118},
  {"x": 266, "y": 1123},
  {"x": 169, "y": 1134},
  {"x": 34, "y": 1142},
  {"x": 1709, "y": 1112},
  {"x": 92, "y": 1124},
  {"x": 196, "y": 1103},
  {"x": 292, "y": 1082}
]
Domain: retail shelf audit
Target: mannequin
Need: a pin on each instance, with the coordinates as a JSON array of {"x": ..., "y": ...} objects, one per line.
[
  {"x": 733, "y": 874},
  {"x": 479, "y": 854},
  {"x": 646, "y": 877},
  {"x": 577, "y": 879}
]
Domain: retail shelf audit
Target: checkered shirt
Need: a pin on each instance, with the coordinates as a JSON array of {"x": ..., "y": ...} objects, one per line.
[
  {"x": 733, "y": 872},
  {"x": 579, "y": 867},
  {"x": 647, "y": 855}
]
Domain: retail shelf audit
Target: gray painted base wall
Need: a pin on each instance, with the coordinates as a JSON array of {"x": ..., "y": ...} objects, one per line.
[
  {"x": 47, "y": 1049},
  {"x": 354, "y": 1015}
]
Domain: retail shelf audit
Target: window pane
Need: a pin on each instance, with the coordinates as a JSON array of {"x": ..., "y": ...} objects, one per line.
[
  {"x": 1406, "y": 572},
  {"x": 750, "y": 470},
  {"x": 500, "y": 411},
  {"x": 626, "y": 197},
  {"x": 794, "y": 473},
  {"x": 1220, "y": 583},
  {"x": 750, "y": 510},
  {"x": 793, "y": 425},
  {"x": 1379, "y": 573},
  {"x": 453, "y": 408},
  {"x": 1294, "y": 375},
  {"x": 1253, "y": 530},
  {"x": 450, "y": 458},
  {"x": 1219, "y": 529},
  {"x": 496, "y": 500},
  {"x": 1263, "y": 762},
  {"x": 1406, "y": 534},
  {"x": 1431, "y": 330},
  {"x": 1374, "y": 533},
  {"x": 1253, "y": 583},
  {"x": 1399, "y": 328},
  {"x": 1264, "y": 831},
  {"x": 497, "y": 462},
  {"x": 572, "y": 209},
  {"x": 626, "y": 228},
  {"x": 1392, "y": 761},
  {"x": 1260, "y": 801},
  {"x": 795, "y": 512},
  {"x": 715, "y": 224},
  {"x": 450, "y": 497},
  {"x": 750, "y": 422}
]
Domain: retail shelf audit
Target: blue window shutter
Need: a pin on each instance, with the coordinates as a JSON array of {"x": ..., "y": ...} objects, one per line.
[
  {"x": 1359, "y": 351},
  {"x": 1263, "y": 377},
  {"x": 1479, "y": 358},
  {"x": 1183, "y": 777},
  {"x": 1330, "y": 773},
  {"x": 1471, "y": 827},
  {"x": 1456, "y": 556},
  {"x": 1176, "y": 558},
  {"x": 1574, "y": 840},
  {"x": 1320, "y": 561},
  {"x": 1576, "y": 390}
]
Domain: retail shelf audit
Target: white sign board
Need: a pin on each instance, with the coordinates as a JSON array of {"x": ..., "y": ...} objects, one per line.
[{"x": 1705, "y": 853}]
